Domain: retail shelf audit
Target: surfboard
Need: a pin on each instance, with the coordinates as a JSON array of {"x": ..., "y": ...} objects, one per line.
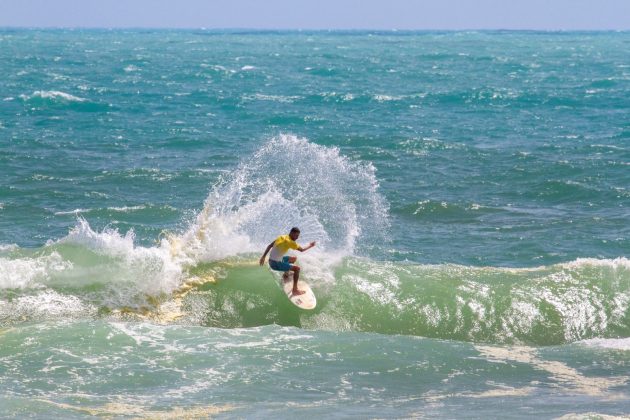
[{"x": 304, "y": 301}]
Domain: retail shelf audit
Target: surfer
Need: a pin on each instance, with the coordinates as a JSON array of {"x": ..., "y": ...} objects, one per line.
[{"x": 279, "y": 262}]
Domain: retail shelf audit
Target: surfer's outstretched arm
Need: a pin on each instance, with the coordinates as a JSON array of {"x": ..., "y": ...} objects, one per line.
[
  {"x": 306, "y": 248},
  {"x": 262, "y": 259}
]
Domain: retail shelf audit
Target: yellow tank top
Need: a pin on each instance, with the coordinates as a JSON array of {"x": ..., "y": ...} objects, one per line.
[{"x": 280, "y": 247}]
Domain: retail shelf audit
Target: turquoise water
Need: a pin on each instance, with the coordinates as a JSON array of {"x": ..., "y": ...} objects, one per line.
[{"x": 468, "y": 192}]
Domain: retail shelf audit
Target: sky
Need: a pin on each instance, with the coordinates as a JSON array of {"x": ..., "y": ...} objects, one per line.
[{"x": 320, "y": 14}]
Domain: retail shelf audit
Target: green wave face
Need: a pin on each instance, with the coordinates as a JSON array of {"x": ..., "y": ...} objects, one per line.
[
  {"x": 541, "y": 306},
  {"x": 548, "y": 305}
]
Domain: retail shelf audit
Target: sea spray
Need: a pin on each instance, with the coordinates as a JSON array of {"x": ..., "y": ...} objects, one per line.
[{"x": 289, "y": 182}]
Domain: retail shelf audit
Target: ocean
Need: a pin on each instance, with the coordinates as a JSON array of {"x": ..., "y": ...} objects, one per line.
[{"x": 469, "y": 193}]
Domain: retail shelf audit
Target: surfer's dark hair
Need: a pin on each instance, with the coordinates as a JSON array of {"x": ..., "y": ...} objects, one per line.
[{"x": 295, "y": 229}]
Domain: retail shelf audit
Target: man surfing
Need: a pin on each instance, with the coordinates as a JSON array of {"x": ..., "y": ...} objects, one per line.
[{"x": 279, "y": 262}]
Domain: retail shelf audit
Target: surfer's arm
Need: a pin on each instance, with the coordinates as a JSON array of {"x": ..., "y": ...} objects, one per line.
[
  {"x": 262, "y": 259},
  {"x": 306, "y": 248}
]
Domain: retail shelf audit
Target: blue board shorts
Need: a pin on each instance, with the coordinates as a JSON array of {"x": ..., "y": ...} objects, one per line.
[{"x": 280, "y": 265}]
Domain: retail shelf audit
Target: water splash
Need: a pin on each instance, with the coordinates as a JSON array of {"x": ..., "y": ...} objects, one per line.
[{"x": 289, "y": 182}]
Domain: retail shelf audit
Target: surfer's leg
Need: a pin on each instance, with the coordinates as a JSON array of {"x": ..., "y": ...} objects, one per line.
[
  {"x": 296, "y": 276},
  {"x": 286, "y": 267}
]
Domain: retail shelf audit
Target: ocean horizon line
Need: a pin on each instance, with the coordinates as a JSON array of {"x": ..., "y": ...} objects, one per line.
[{"x": 237, "y": 30}]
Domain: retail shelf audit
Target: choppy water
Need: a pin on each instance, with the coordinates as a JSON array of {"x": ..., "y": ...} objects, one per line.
[{"x": 468, "y": 192}]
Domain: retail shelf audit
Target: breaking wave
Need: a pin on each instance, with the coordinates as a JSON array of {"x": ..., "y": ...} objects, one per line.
[{"x": 208, "y": 273}]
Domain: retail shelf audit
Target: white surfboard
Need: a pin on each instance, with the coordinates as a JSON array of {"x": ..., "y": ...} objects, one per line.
[{"x": 306, "y": 300}]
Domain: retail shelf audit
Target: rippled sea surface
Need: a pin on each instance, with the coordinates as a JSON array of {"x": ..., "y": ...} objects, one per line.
[{"x": 469, "y": 193}]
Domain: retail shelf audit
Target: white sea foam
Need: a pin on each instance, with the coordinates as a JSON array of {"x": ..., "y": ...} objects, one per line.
[
  {"x": 151, "y": 269},
  {"x": 44, "y": 305},
  {"x": 378, "y": 292},
  {"x": 75, "y": 211},
  {"x": 591, "y": 415},
  {"x": 616, "y": 263},
  {"x": 8, "y": 247},
  {"x": 122, "y": 209},
  {"x": 271, "y": 98},
  {"x": 387, "y": 98},
  {"x": 29, "y": 272},
  {"x": 53, "y": 94},
  {"x": 127, "y": 209},
  {"x": 567, "y": 378},
  {"x": 608, "y": 343}
]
